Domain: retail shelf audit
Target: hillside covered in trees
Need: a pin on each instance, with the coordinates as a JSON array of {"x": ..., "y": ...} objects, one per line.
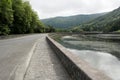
[
  {"x": 68, "y": 22},
  {"x": 17, "y": 17},
  {"x": 106, "y": 23}
]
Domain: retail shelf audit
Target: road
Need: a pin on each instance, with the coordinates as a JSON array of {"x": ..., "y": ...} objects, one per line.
[
  {"x": 44, "y": 64},
  {"x": 12, "y": 51}
]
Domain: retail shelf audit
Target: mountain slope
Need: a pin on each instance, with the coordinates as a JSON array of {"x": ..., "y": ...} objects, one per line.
[
  {"x": 68, "y": 22},
  {"x": 107, "y": 23}
]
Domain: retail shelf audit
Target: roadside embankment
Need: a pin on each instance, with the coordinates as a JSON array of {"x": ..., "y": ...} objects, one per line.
[{"x": 77, "y": 68}]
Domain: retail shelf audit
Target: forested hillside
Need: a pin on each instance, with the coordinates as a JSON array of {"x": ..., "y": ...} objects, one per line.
[
  {"x": 68, "y": 22},
  {"x": 17, "y": 17},
  {"x": 106, "y": 23}
]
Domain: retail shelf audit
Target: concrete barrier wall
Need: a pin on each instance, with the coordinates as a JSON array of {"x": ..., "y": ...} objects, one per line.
[{"x": 77, "y": 68}]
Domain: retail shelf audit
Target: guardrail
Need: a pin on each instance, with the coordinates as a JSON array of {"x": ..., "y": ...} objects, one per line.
[{"x": 77, "y": 68}]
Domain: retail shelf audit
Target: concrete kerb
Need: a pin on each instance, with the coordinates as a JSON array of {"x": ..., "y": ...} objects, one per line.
[
  {"x": 77, "y": 68},
  {"x": 20, "y": 70}
]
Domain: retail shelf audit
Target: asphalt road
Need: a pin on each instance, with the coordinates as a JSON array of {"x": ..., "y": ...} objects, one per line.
[{"x": 12, "y": 51}]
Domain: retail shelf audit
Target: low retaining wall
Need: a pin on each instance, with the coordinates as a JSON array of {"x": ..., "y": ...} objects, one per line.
[{"x": 77, "y": 69}]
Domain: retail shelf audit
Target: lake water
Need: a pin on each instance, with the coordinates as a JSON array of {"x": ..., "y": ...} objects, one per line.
[{"x": 101, "y": 54}]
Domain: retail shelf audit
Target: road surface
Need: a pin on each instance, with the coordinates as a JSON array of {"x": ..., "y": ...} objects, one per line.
[
  {"x": 12, "y": 51},
  {"x": 44, "y": 64}
]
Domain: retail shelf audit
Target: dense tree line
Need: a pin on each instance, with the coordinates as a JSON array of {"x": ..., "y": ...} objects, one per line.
[
  {"x": 106, "y": 23},
  {"x": 106, "y": 27},
  {"x": 17, "y": 17}
]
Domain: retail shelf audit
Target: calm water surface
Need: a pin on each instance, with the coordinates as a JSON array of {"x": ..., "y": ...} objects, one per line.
[{"x": 101, "y": 54}]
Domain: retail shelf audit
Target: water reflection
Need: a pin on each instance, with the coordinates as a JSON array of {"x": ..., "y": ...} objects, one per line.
[
  {"x": 106, "y": 62},
  {"x": 81, "y": 43},
  {"x": 100, "y": 54}
]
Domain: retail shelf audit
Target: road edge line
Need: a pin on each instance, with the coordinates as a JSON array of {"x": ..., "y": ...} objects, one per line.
[{"x": 20, "y": 72}]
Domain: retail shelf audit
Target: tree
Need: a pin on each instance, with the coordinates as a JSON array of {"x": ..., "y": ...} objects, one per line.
[
  {"x": 17, "y": 17},
  {"x": 50, "y": 29},
  {"x": 18, "y": 23},
  {"x": 6, "y": 16},
  {"x": 27, "y": 17}
]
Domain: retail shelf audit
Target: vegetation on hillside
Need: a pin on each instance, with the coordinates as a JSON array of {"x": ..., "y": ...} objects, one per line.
[
  {"x": 106, "y": 23},
  {"x": 68, "y": 22},
  {"x": 17, "y": 17}
]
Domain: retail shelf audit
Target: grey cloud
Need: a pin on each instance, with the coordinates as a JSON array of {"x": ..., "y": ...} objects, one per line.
[{"x": 52, "y": 8}]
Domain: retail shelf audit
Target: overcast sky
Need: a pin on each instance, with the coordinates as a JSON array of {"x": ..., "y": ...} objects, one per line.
[{"x": 53, "y": 8}]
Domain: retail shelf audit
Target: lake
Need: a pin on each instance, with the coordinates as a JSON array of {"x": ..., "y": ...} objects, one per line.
[{"x": 103, "y": 54}]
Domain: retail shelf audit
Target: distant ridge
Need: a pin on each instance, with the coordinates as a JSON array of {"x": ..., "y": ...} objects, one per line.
[
  {"x": 70, "y": 21},
  {"x": 108, "y": 23}
]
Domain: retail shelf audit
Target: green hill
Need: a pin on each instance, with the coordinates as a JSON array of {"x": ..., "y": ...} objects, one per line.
[
  {"x": 68, "y": 22},
  {"x": 108, "y": 23}
]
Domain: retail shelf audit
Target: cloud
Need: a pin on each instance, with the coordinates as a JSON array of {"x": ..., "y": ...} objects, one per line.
[{"x": 52, "y": 8}]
